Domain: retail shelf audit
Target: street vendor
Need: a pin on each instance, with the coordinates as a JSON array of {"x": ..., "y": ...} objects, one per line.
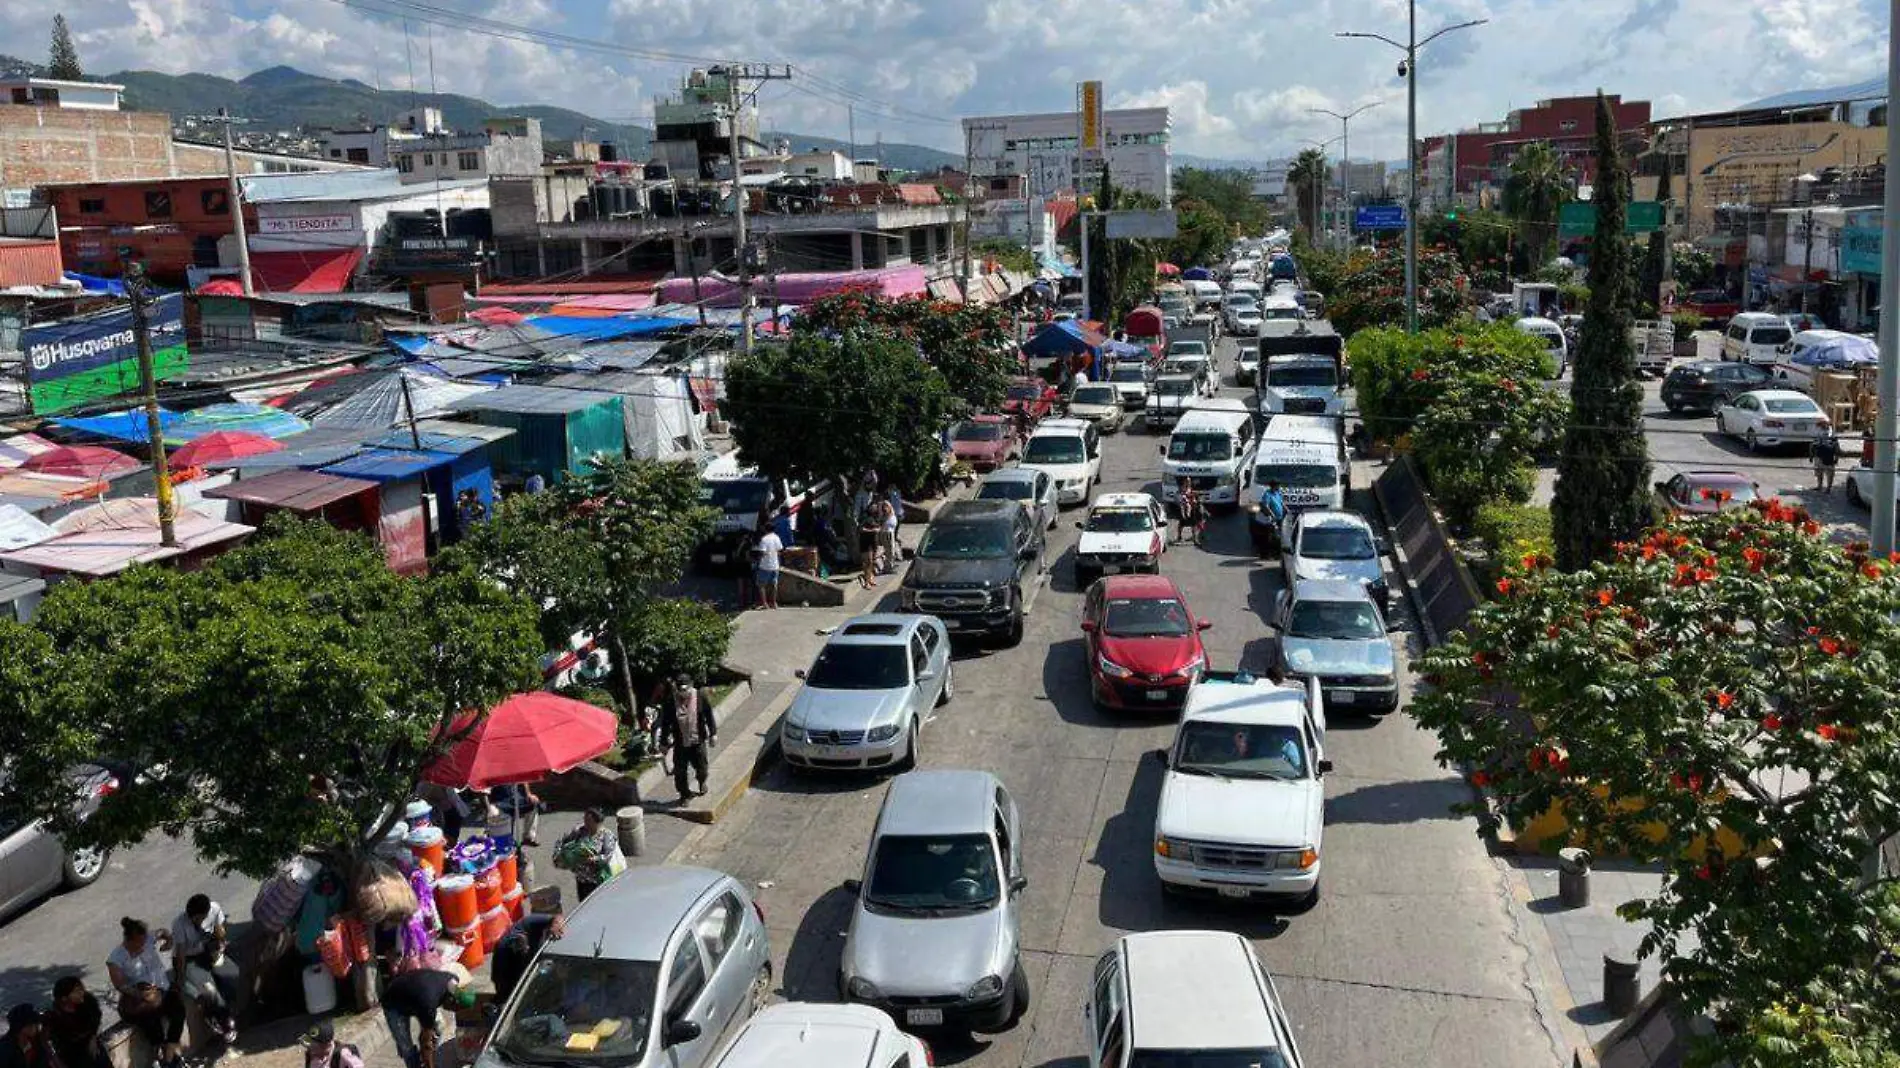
[{"x": 589, "y": 851}]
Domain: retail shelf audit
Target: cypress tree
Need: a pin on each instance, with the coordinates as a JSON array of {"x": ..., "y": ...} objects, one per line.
[
  {"x": 1655, "y": 261},
  {"x": 63, "y": 60},
  {"x": 1603, "y": 472}
]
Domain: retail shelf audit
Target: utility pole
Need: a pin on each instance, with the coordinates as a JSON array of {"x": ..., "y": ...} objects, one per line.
[
  {"x": 1886, "y": 419},
  {"x": 236, "y": 198},
  {"x": 140, "y": 293},
  {"x": 851, "y": 121},
  {"x": 1410, "y": 71},
  {"x": 1345, "y": 166},
  {"x": 735, "y": 72},
  {"x": 969, "y": 186}
]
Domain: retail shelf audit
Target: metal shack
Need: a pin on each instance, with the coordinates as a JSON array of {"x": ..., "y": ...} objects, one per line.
[
  {"x": 557, "y": 430},
  {"x": 402, "y": 520}
]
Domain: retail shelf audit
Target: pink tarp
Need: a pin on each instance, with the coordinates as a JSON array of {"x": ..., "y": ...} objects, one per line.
[
  {"x": 803, "y": 287},
  {"x": 113, "y": 535}
]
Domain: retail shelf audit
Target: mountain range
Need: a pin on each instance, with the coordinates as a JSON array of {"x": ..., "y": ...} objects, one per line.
[{"x": 282, "y": 98}]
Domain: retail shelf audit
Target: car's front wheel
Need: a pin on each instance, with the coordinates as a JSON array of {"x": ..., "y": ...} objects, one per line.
[
  {"x": 1854, "y": 495},
  {"x": 913, "y": 749},
  {"x": 83, "y": 868},
  {"x": 949, "y": 685}
]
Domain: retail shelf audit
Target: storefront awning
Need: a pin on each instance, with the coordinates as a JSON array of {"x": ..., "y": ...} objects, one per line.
[{"x": 315, "y": 271}]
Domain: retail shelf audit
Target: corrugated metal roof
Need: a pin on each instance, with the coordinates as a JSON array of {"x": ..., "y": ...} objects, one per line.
[
  {"x": 1871, "y": 89},
  {"x": 340, "y": 185},
  {"x": 451, "y": 442},
  {"x": 534, "y": 400},
  {"x": 297, "y": 491},
  {"x": 388, "y": 465}
]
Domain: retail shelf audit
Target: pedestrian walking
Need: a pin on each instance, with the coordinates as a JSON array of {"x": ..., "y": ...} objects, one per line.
[
  {"x": 688, "y": 728},
  {"x": 73, "y": 1025},
  {"x": 148, "y": 1000},
  {"x": 210, "y": 977},
  {"x": 520, "y": 802},
  {"x": 869, "y": 529},
  {"x": 26, "y": 1044},
  {"x": 418, "y": 998},
  {"x": 765, "y": 565},
  {"x": 892, "y": 516},
  {"x": 1826, "y": 453},
  {"x": 589, "y": 851}
]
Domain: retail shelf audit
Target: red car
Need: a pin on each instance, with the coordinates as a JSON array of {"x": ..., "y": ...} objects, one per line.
[
  {"x": 1704, "y": 493},
  {"x": 1143, "y": 644},
  {"x": 985, "y": 442},
  {"x": 1031, "y": 396}
]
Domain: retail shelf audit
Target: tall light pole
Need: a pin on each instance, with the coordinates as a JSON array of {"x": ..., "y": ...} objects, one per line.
[
  {"x": 1886, "y": 454},
  {"x": 1319, "y": 187},
  {"x": 1409, "y": 70},
  {"x": 1345, "y": 152}
]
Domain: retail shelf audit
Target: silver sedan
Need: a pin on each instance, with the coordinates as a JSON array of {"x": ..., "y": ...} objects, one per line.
[{"x": 868, "y": 693}]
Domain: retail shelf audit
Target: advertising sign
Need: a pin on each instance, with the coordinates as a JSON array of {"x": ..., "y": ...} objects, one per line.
[
  {"x": 79, "y": 360},
  {"x": 1860, "y": 247},
  {"x": 1090, "y": 106},
  {"x": 1380, "y": 217},
  {"x": 305, "y": 224},
  {"x": 1156, "y": 225}
]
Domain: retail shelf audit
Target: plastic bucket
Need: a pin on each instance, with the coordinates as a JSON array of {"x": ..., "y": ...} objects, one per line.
[
  {"x": 455, "y": 902},
  {"x": 516, "y": 902},
  {"x": 470, "y": 939},
  {"x": 495, "y": 924},
  {"x": 487, "y": 890},
  {"x": 427, "y": 845},
  {"x": 419, "y": 814},
  {"x": 506, "y": 867},
  {"x": 319, "y": 990}
]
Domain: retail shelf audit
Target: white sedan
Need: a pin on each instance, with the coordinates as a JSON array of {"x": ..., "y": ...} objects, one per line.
[
  {"x": 1247, "y": 322},
  {"x": 1771, "y": 417},
  {"x": 1860, "y": 486}
]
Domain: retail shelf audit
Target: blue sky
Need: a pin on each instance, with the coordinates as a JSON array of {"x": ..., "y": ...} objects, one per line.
[{"x": 1239, "y": 74}]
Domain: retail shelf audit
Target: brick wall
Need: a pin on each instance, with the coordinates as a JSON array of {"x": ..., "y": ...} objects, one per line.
[{"x": 47, "y": 145}]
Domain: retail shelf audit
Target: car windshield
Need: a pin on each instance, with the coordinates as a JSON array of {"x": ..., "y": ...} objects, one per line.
[
  {"x": 1146, "y": 618},
  {"x": 1309, "y": 375},
  {"x": 847, "y": 666},
  {"x": 1174, "y": 387},
  {"x": 737, "y": 495},
  {"x": 1188, "y": 348},
  {"x": 565, "y": 997},
  {"x": 1333, "y": 619},
  {"x": 1247, "y": 354},
  {"x": 1200, "y": 447},
  {"x": 1296, "y": 476},
  {"x": 965, "y": 541},
  {"x": 1012, "y": 490},
  {"x": 1206, "y": 1058},
  {"x": 1800, "y": 405},
  {"x": 1128, "y": 372},
  {"x": 939, "y": 873},
  {"x": 1053, "y": 449},
  {"x": 1770, "y": 335},
  {"x": 1282, "y": 313},
  {"x": 1120, "y": 521},
  {"x": 1025, "y": 393},
  {"x": 977, "y": 432},
  {"x": 1096, "y": 395},
  {"x": 1337, "y": 543},
  {"x": 1241, "y": 751}
]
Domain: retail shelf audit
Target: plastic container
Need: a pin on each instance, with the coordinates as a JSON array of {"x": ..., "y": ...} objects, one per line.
[
  {"x": 470, "y": 939},
  {"x": 495, "y": 924},
  {"x": 506, "y": 868},
  {"x": 419, "y": 814},
  {"x": 488, "y": 890},
  {"x": 455, "y": 902},
  {"x": 515, "y": 902},
  {"x": 319, "y": 991},
  {"x": 427, "y": 845}
]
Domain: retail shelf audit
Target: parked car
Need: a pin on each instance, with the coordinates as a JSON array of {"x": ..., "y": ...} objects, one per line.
[
  {"x": 34, "y": 862},
  {"x": 1099, "y": 404},
  {"x": 1331, "y": 631},
  {"x": 1712, "y": 305},
  {"x": 1029, "y": 396},
  {"x": 1188, "y": 347},
  {"x": 1706, "y": 385},
  {"x": 803, "y": 1034},
  {"x": 1029, "y": 486},
  {"x": 1701, "y": 493},
  {"x": 1860, "y": 486},
  {"x": 985, "y": 442},
  {"x": 1242, "y": 807},
  {"x": 1327, "y": 544},
  {"x": 1124, "y": 532},
  {"x": 658, "y": 966},
  {"x": 1771, "y": 417},
  {"x": 1185, "y": 999},
  {"x": 1756, "y": 337},
  {"x": 1070, "y": 450},
  {"x": 973, "y": 564},
  {"x": 935, "y": 935},
  {"x": 868, "y": 693},
  {"x": 1143, "y": 643}
]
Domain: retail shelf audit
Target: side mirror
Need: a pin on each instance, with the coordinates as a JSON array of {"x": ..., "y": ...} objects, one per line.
[
  {"x": 1027, "y": 552},
  {"x": 1088, "y": 626},
  {"x": 1204, "y": 624},
  {"x": 1325, "y": 767},
  {"x": 799, "y": 674},
  {"x": 854, "y": 887},
  {"x": 926, "y": 676},
  {"x": 1379, "y": 545},
  {"x": 1660, "y": 486},
  {"x": 1078, "y": 524},
  {"x": 1018, "y": 884},
  {"x": 1161, "y": 450},
  {"x": 679, "y": 1031},
  {"x": 1161, "y": 755}
]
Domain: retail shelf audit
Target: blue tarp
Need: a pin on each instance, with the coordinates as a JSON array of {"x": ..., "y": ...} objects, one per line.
[
  {"x": 122, "y": 426},
  {"x": 1058, "y": 339},
  {"x": 605, "y": 329},
  {"x": 413, "y": 344},
  {"x": 95, "y": 284},
  {"x": 262, "y": 419},
  {"x": 1197, "y": 274},
  {"x": 389, "y": 465},
  {"x": 1834, "y": 350},
  {"x": 1050, "y": 263}
]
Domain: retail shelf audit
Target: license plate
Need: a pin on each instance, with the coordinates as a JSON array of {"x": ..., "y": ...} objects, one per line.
[
  {"x": 1798, "y": 424},
  {"x": 923, "y": 1017},
  {"x": 719, "y": 558},
  {"x": 1157, "y": 695},
  {"x": 1112, "y": 569},
  {"x": 950, "y": 622},
  {"x": 1344, "y": 697},
  {"x": 1233, "y": 891}
]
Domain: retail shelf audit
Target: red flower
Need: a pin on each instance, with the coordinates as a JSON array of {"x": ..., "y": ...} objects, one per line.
[
  {"x": 1604, "y": 597},
  {"x": 1704, "y": 574},
  {"x": 1894, "y": 557},
  {"x": 1649, "y": 552},
  {"x": 1830, "y": 646},
  {"x": 1755, "y": 557},
  {"x": 1550, "y": 631},
  {"x": 1507, "y": 385},
  {"x": 1828, "y": 731},
  {"x": 1872, "y": 571},
  {"x": 1477, "y": 659},
  {"x": 1504, "y": 586},
  {"x": 1810, "y": 527},
  {"x": 1705, "y": 873},
  {"x": 1722, "y": 698},
  {"x": 1420, "y": 375},
  {"x": 1812, "y": 631},
  {"x": 1480, "y": 779},
  {"x": 1771, "y": 722}
]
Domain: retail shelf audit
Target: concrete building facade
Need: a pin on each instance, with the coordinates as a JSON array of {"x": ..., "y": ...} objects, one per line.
[
  {"x": 1136, "y": 146},
  {"x": 506, "y": 146},
  {"x": 1464, "y": 166}
]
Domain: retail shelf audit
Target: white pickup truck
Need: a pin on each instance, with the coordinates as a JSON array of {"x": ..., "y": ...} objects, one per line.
[{"x": 1654, "y": 341}]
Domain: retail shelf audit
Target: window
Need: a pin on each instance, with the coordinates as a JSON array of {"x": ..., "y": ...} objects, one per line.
[
  {"x": 215, "y": 201},
  {"x": 158, "y": 204},
  {"x": 1002, "y": 840},
  {"x": 92, "y": 205},
  {"x": 357, "y": 155},
  {"x": 718, "y": 927},
  {"x": 931, "y": 641},
  {"x": 428, "y": 159},
  {"x": 854, "y": 666},
  {"x": 336, "y": 153},
  {"x": 406, "y": 163},
  {"x": 685, "y": 978},
  {"x": 468, "y": 161},
  {"x": 919, "y": 658}
]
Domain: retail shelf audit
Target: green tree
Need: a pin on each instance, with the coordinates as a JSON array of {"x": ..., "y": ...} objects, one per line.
[
  {"x": 1008, "y": 254},
  {"x": 595, "y": 551},
  {"x": 234, "y": 688},
  {"x": 1534, "y": 191},
  {"x": 1603, "y": 492},
  {"x": 1226, "y": 191},
  {"x": 970, "y": 344},
  {"x": 1718, "y": 698},
  {"x": 1371, "y": 291},
  {"x": 63, "y": 59},
  {"x": 822, "y": 407},
  {"x": 1694, "y": 267},
  {"x": 1307, "y": 179},
  {"x": 1121, "y": 272},
  {"x": 1649, "y": 290},
  {"x": 1202, "y": 234}
]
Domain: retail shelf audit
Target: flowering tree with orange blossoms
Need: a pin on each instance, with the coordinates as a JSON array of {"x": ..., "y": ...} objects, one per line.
[{"x": 1733, "y": 671}]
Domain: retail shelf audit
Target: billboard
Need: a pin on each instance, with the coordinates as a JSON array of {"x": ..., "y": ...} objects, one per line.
[
  {"x": 76, "y": 361},
  {"x": 1091, "y": 134},
  {"x": 305, "y": 224},
  {"x": 1157, "y": 225}
]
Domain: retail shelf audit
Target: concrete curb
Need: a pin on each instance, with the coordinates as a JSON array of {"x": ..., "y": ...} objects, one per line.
[
  {"x": 763, "y": 761},
  {"x": 656, "y": 775},
  {"x": 1404, "y": 564}
]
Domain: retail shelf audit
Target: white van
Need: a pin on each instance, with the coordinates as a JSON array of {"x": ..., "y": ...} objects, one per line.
[
  {"x": 1756, "y": 337},
  {"x": 1188, "y": 997},
  {"x": 1301, "y": 383},
  {"x": 1213, "y": 445},
  {"x": 1243, "y": 286},
  {"x": 1070, "y": 450},
  {"x": 1552, "y": 335},
  {"x": 1306, "y": 456},
  {"x": 1204, "y": 292}
]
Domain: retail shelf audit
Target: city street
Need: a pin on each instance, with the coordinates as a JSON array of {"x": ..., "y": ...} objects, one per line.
[{"x": 1411, "y": 955}]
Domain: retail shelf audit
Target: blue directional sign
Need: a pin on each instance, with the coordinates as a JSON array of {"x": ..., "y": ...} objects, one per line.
[{"x": 1380, "y": 217}]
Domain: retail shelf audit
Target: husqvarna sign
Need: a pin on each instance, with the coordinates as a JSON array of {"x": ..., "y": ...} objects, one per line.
[{"x": 78, "y": 360}]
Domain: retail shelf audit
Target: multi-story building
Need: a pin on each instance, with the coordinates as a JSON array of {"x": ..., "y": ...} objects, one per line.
[
  {"x": 1462, "y": 167},
  {"x": 692, "y": 133},
  {"x": 1361, "y": 180},
  {"x": 1136, "y": 148},
  {"x": 168, "y": 224},
  {"x": 506, "y": 146}
]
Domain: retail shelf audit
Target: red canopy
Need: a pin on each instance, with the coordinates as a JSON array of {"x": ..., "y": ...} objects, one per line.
[
  {"x": 498, "y": 316},
  {"x": 222, "y": 445},
  {"x": 523, "y": 739},
  {"x": 221, "y": 287},
  {"x": 1167, "y": 268},
  {"x": 80, "y": 461}
]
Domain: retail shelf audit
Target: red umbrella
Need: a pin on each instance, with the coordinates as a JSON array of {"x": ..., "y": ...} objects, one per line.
[
  {"x": 80, "y": 461},
  {"x": 221, "y": 287},
  {"x": 1166, "y": 268},
  {"x": 222, "y": 445},
  {"x": 523, "y": 739}
]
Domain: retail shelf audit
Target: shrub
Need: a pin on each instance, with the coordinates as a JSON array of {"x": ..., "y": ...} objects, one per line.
[
  {"x": 1687, "y": 323},
  {"x": 1514, "y": 529},
  {"x": 1370, "y": 292},
  {"x": 668, "y": 635}
]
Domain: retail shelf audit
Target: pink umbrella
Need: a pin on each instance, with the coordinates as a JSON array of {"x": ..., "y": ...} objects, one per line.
[
  {"x": 523, "y": 739},
  {"x": 498, "y": 316},
  {"x": 80, "y": 461},
  {"x": 222, "y": 445}
]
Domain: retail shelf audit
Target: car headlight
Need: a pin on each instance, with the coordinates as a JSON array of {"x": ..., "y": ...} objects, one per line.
[
  {"x": 1109, "y": 667},
  {"x": 863, "y": 989},
  {"x": 881, "y": 734},
  {"x": 1173, "y": 850},
  {"x": 792, "y": 732},
  {"x": 999, "y": 597},
  {"x": 1193, "y": 667},
  {"x": 987, "y": 987},
  {"x": 1300, "y": 861}
]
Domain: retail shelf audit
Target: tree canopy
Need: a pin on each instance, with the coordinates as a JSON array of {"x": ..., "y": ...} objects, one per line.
[
  {"x": 1535, "y": 190},
  {"x": 1306, "y": 177},
  {"x": 1227, "y": 192},
  {"x": 969, "y": 344},
  {"x": 233, "y": 688},
  {"x": 62, "y": 60},
  {"x": 1370, "y": 291}
]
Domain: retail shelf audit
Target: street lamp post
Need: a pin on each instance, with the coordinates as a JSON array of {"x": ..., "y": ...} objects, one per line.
[
  {"x": 1807, "y": 238},
  {"x": 1345, "y": 166},
  {"x": 1409, "y": 70},
  {"x": 1318, "y": 187}
]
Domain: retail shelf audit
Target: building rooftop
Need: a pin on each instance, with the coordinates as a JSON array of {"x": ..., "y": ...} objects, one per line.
[
  {"x": 59, "y": 83},
  {"x": 376, "y": 184}
]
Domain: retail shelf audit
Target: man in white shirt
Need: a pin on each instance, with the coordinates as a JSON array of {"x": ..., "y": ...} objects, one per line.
[
  {"x": 198, "y": 960},
  {"x": 766, "y": 566}
]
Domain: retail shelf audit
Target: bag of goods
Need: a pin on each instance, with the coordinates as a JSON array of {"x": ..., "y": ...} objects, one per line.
[
  {"x": 333, "y": 951},
  {"x": 381, "y": 893},
  {"x": 281, "y": 896}
]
